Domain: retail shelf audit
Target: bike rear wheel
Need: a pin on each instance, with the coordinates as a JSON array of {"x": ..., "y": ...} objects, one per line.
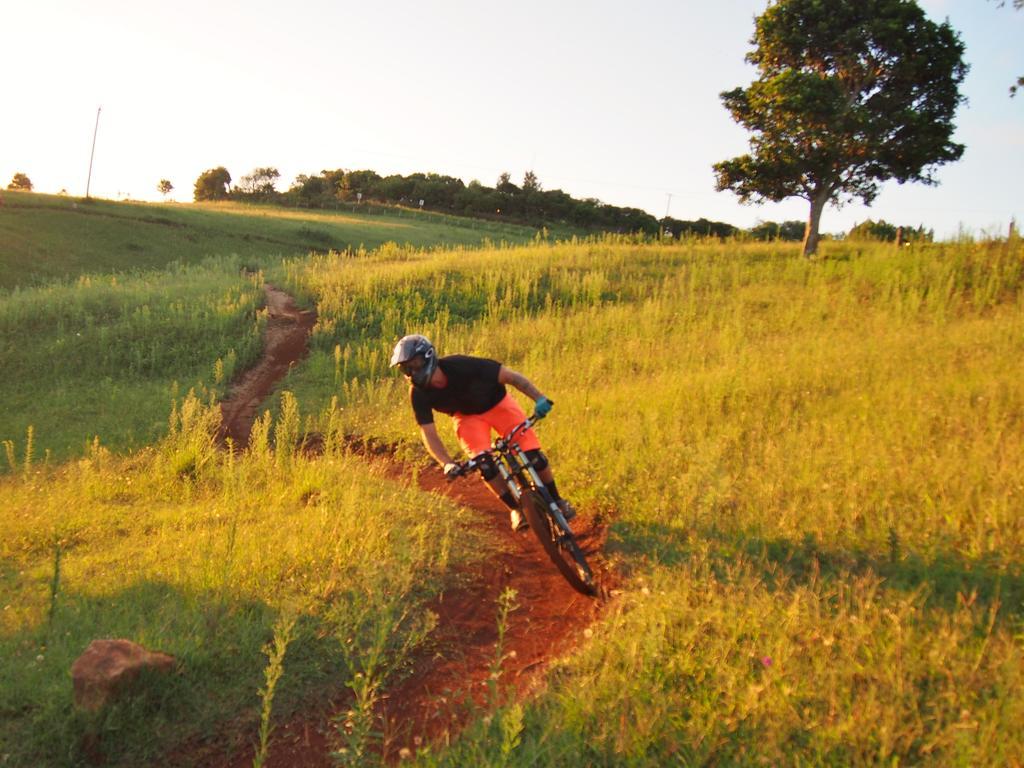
[{"x": 560, "y": 545}]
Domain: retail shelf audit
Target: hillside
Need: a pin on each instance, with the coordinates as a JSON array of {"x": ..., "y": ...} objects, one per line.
[
  {"x": 806, "y": 476},
  {"x": 45, "y": 237}
]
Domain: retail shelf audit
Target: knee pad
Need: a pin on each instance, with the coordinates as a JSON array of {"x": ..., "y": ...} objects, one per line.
[
  {"x": 538, "y": 459},
  {"x": 488, "y": 469}
]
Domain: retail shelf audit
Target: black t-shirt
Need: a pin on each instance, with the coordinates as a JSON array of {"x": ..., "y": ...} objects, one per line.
[{"x": 472, "y": 388}]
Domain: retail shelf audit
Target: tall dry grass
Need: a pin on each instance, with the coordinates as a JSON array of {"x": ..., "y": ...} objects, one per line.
[{"x": 812, "y": 472}]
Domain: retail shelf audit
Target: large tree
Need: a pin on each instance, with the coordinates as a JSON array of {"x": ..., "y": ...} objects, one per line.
[
  {"x": 20, "y": 182},
  {"x": 505, "y": 185},
  {"x": 212, "y": 184},
  {"x": 260, "y": 182},
  {"x": 850, "y": 93}
]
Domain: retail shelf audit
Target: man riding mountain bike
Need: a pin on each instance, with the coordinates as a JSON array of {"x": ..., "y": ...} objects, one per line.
[{"x": 472, "y": 391}]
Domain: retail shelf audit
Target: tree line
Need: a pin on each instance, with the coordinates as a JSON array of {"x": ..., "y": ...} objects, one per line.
[
  {"x": 848, "y": 95},
  {"x": 527, "y": 203},
  {"x": 314, "y": 192}
]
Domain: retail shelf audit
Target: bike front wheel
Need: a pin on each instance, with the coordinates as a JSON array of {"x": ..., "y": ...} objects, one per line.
[{"x": 560, "y": 545}]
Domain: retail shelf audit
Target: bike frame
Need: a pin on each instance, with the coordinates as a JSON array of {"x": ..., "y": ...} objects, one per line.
[
  {"x": 517, "y": 470},
  {"x": 533, "y": 498}
]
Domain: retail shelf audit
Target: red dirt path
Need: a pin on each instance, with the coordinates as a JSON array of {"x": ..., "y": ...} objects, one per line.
[
  {"x": 284, "y": 344},
  {"x": 430, "y": 704}
]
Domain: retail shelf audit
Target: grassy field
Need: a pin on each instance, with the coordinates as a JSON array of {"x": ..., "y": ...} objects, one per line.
[
  {"x": 812, "y": 472},
  {"x": 43, "y": 237},
  {"x": 105, "y": 356},
  {"x": 208, "y": 557},
  {"x": 115, "y": 308}
]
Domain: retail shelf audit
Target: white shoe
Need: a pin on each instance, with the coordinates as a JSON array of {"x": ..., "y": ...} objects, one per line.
[{"x": 518, "y": 519}]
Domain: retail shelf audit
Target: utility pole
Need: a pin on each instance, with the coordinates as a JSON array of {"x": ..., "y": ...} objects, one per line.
[{"x": 95, "y": 130}]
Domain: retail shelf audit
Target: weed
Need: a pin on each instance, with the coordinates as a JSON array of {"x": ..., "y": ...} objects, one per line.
[
  {"x": 274, "y": 652},
  {"x": 506, "y": 605},
  {"x": 378, "y": 633},
  {"x": 54, "y": 584},
  {"x": 29, "y": 444},
  {"x": 12, "y": 461}
]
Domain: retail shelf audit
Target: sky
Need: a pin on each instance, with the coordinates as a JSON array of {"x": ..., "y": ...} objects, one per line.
[{"x": 612, "y": 100}]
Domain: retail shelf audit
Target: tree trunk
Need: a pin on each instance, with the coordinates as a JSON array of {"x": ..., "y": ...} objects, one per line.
[{"x": 818, "y": 200}]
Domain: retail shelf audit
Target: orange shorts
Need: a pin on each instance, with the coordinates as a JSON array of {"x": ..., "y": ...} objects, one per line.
[{"x": 474, "y": 430}]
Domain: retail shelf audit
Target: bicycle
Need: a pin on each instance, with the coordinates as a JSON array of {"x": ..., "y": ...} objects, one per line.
[{"x": 535, "y": 501}]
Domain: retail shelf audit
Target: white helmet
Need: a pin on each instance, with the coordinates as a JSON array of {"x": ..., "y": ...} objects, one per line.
[{"x": 416, "y": 357}]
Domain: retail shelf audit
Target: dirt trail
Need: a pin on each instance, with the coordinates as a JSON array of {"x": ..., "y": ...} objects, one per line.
[
  {"x": 284, "y": 344},
  {"x": 431, "y": 703}
]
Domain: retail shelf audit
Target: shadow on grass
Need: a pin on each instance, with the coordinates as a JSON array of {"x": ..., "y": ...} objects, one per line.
[
  {"x": 210, "y": 700},
  {"x": 948, "y": 579}
]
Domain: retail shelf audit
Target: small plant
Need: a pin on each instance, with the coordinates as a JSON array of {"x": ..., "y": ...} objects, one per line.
[
  {"x": 357, "y": 725},
  {"x": 230, "y": 362},
  {"x": 895, "y": 548},
  {"x": 511, "y": 730},
  {"x": 275, "y": 652},
  {"x": 507, "y": 722},
  {"x": 12, "y": 460},
  {"x": 29, "y": 440},
  {"x": 54, "y": 582},
  {"x": 259, "y": 437},
  {"x": 286, "y": 432},
  {"x": 506, "y": 605},
  {"x": 377, "y": 638}
]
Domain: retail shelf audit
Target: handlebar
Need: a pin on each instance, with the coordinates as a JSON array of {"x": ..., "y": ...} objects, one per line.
[{"x": 498, "y": 445}]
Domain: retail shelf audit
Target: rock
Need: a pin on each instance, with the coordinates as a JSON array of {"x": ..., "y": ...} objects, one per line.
[{"x": 108, "y": 667}]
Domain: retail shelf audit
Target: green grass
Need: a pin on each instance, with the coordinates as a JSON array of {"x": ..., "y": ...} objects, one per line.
[
  {"x": 46, "y": 237},
  {"x": 200, "y": 554},
  {"x": 104, "y": 356},
  {"x": 812, "y": 472}
]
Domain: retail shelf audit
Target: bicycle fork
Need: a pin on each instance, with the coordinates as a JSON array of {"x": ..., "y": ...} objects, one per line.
[
  {"x": 510, "y": 481},
  {"x": 555, "y": 511}
]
